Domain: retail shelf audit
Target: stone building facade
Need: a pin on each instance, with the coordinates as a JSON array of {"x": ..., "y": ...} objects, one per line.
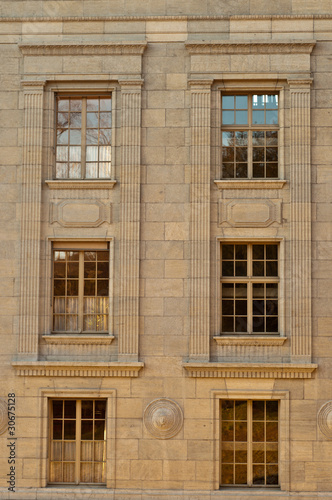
[{"x": 166, "y": 249}]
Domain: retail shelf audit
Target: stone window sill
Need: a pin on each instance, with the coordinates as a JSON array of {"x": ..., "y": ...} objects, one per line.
[
  {"x": 250, "y": 184},
  {"x": 250, "y": 340},
  {"x": 79, "y": 339},
  {"x": 80, "y": 184}
]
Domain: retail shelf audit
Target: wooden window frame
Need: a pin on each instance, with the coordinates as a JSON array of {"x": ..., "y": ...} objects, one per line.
[
  {"x": 249, "y": 128},
  {"x": 77, "y": 94},
  {"x": 78, "y": 442},
  {"x": 82, "y": 246}
]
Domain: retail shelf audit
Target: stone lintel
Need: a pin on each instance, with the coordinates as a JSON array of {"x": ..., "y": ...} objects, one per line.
[{"x": 250, "y": 370}]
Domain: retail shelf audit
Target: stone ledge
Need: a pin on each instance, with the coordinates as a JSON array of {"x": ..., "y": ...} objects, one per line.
[
  {"x": 249, "y": 340},
  {"x": 249, "y": 370},
  {"x": 84, "y": 48},
  {"x": 250, "y": 47},
  {"x": 76, "y": 369},
  {"x": 80, "y": 184},
  {"x": 78, "y": 339},
  {"x": 250, "y": 184}
]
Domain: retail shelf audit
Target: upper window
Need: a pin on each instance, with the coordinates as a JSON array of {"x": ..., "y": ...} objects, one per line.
[
  {"x": 83, "y": 137},
  {"x": 250, "y": 136},
  {"x": 78, "y": 441},
  {"x": 80, "y": 289},
  {"x": 249, "y": 288},
  {"x": 249, "y": 443}
]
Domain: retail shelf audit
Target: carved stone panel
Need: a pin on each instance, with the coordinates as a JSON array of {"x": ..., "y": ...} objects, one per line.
[
  {"x": 163, "y": 418},
  {"x": 80, "y": 213},
  {"x": 249, "y": 212},
  {"x": 325, "y": 419}
]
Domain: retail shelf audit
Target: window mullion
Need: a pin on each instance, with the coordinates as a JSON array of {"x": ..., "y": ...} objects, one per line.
[
  {"x": 250, "y": 292},
  {"x": 81, "y": 292},
  {"x": 249, "y": 444},
  {"x": 83, "y": 139},
  {"x": 78, "y": 441}
]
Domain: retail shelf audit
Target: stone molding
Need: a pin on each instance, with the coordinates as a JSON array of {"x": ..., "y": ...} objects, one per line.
[
  {"x": 249, "y": 370},
  {"x": 251, "y": 47},
  {"x": 80, "y": 184},
  {"x": 249, "y": 340},
  {"x": 257, "y": 212},
  {"x": 76, "y": 369},
  {"x": 86, "y": 48},
  {"x": 163, "y": 418},
  {"x": 300, "y": 218},
  {"x": 324, "y": 419},
  {"x": 81, "y": 339},
  {"x": 200, "y": 220},
  {"x": 66, "y": 213},
  {"x": 249, "y": 184},
  {"x": 129, "y": 220}
]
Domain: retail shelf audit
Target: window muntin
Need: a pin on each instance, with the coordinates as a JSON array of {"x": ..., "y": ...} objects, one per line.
[
  {"x": 249, "y": 443},
  {"x": 83, "y": 137},
  {"x": 80, "y": 290},
  {"x": 78, "y": 441},
  {"x": 250, "y": 136},
  {"x": 249, "y": 288}
]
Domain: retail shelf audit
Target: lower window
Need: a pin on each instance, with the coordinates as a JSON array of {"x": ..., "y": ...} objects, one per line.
[
  {"x": 249, "y": 443},
  {"x": 78, "y": 441}
]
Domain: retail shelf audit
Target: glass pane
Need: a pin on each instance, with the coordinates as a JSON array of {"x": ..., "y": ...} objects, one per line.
[
  {"x": 227, "y": 307},
  {"x": 241, "y": 138},
  {"x": 272, "y": 101},
  {"x": 87, "y": 454},
  {"x": 227, "y": 324},
  {"x": 99, "y": 429},
  {"x": 92, "y": 153},
  {"x": 228, "y": 251},
  {"x": 241, "y": 117},
  {"x": 102, "y": 269},
  {"x": 89, "y": 287},
  {"x": 104, "y": 153},
  {"x": 228, "y": 117},
  {"x": 227, "y": 456},
  {"x": 69, "y": 429},
  {"x": 227, "y": 154},
  {"x": 272, "y": 268},
  {"x": 90, "y": 256},
  {"x": 106, "y": 104},
  {"x": 271, "y": 410},
  {"x": 227, "y": 474},
  {"x": 241, "y": 170},
  {"x": 241, "y": 102},
  {"x": 258, "y": 252},
  {"x": 241, "y": 268},
  {"x": 227, "y": 268},
  {"x": 271, "y": 474},
  {"x": 258, "y": 268},
  {"x": 104, "y": 170},
  {"x": 258, "y": 170},
  {"x": 258, "y": 408},
  {"x": 258, "y": 290},
  {"x": 241, "y": 290},
  {"x": 74, "y": 170},
  {"x": 272, "y": 431},
  {"x": 240, "y": 474},
  {"x": 87, "y": 472},
  {"x": 87, "y": 429},
  {"x": 227, "y": 409},
  {"x": 228, "y": 138},
  {"x": 272, "y": 117},
  {"x": 258, "y": 307},
  {"x": 62, "y": 120},
  {"x": 59, "y": 287},
  {"x": 241, "y": 252},
  {"x": 258, "y": 154},
  {"x": 241, "y": 456},
  {"x": 75, "y": 137},
  {"x": 240, "y": 307},
  {"x": 227, "y": 431},
  {"x": 69, "y": 451},
  {"x": 75, "y": 104},
  {"x": 75, "y": 153},
  {"x": 258, "y": 101},
  {"x": 258, "y": 431},
  {"x": 241, "y": 154},
  {"x": 72, "y": 288},
  {"x": 258, "y": 324},
  {"x": 258, "y": 138},
  {"x": 100, "y": 409},
  {"x": 62, "y": 137},
  {"x": 92, "y": 136},
  {"x": 92, "y": 104},
  {"x": 271, "y": 154},
  {"x": 72, "y": 270},
  {"x": 102, "y": 288},
  {"x": 89, "y": 269},
  {"x": 70, "y": 409},
  {"x": 272, "y": 324},
  {"x": 89, "y": 323},
  {"x": 228, "y": 290},
  {"x": 105, "y": 136},
  {"x": 62, "y": 153},
  {"x": 63, "y": 104},
  {"x": 57, "y": 408},
  {"x": 92, "y": 120},
  {"x": 271, "y": 138},
  {"x": 258, "y": 474},
  {"x": 57, "y": 429},
  {"x": 75, "y": 120},
  {"x": 99, "y": 454},
  {"x": 258, "y": 117},
  {"x": 59, "y": 270},
  {"x": 87, "y": 409},
  {"x": 241, "y": 324},
  {"x": 91, "y": 171},
  {"x": 258, "y": 453},
  {"x": 241, "y": 431},
  {"x": 61, "y": 171},
  {"x": 56, "y": 450},
  {"x": 272, "y": 170},
  {"x": 228, "y": 102},
  {"x": 106, "y": 120},
  {"x": 272, "y": 457},
  {"x": 228, "y": 170}
]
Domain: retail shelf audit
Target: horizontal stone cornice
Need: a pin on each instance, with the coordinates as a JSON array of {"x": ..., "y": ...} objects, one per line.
[
  {"x": 249, "y": 340},
  {"x": 251, "y": 47},
  {"x": 55, "y": 339},
  {"x": 76, "y": 369},
  {"x": 249, "y": 184},
  {"x": 80, "y": 184},
  {"x": 249, "y": 370},
  {"x": 86, "y": 48}
]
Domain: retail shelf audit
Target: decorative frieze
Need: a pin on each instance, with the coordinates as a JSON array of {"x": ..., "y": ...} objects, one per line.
[
  {"x": 31, "y": 219},
  {"x": 200, "y": 219},
  {"x": 129, "y": 220},
  {"x": 251, "y": 47},
  {"x": 249, "y": 370},
  {"x": 83, "y": 49},
  {"x": 300, "y": 226},
  {"x": 76, "y": 369}
]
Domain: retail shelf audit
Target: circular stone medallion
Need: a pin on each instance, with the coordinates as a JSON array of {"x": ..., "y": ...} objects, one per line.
[
  {"x": 3, "y": 416},
  {"x": 163, "y": 418},
  {"x": 325, "y": 419}
]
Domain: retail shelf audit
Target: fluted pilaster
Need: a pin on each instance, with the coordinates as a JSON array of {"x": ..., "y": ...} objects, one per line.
[
  {"x": 200, "y": 220},
  {"x": 300, "y": 182},
  {"x": 130, "y": 220},
  {"x": 31, "y": 220}
]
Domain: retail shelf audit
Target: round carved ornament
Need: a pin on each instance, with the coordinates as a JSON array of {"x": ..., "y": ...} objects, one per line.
[
  {"x": 3, "y": 416},
  {"x": 163, "y": 418},
  {"x": 325, "y": 419}
]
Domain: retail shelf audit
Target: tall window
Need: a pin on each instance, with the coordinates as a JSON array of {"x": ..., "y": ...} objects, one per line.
[
  {"x": 249, "y": 288},
  {"x": 250, "y": 136},
  {"x": 80, "y": 289},
  {"x": 249, "y": 443},
  {"x": 83, "y": 137},
  {"x": 78, "y": 441}
]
